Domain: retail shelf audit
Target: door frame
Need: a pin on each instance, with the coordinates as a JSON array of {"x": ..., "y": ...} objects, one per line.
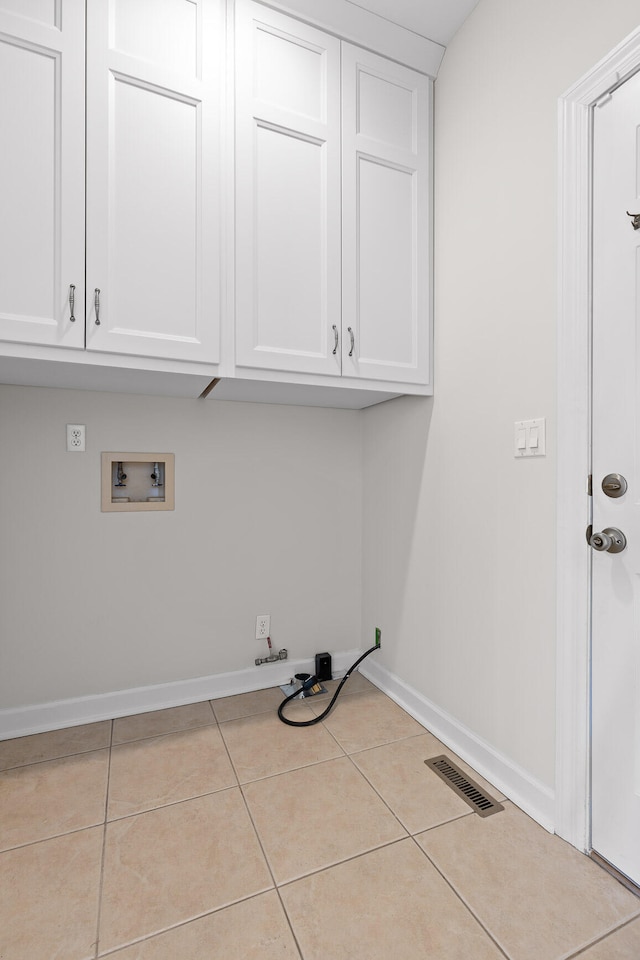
[{"x": 573, "y": 614}]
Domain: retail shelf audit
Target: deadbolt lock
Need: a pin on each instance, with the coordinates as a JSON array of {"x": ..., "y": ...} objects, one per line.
[
  {"x": 614, "y": 485},
  {"x": 611, "y": 540}
]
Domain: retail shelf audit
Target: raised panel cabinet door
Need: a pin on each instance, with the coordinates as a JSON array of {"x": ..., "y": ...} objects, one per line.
[
  {"x": 386, "y": 118},
  {"x": 288, "y": 298},
  {"x": 42, "y": 172},
  {"x": 154, "y": 70}
]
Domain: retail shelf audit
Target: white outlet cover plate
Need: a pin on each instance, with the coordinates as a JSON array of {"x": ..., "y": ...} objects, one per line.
[{"x": 76, "y": 438}]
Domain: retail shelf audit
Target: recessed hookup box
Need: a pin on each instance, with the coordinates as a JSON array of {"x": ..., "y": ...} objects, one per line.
[{"x": 137, "y": 481}]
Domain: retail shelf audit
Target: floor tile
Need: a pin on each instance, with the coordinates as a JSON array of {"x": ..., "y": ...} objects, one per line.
[
  {"x": 367, "y": 720},
  {"x": 54, "y": 744},
  {"x": 310, "y": 818},
  {"x": 49, "y": 901},
  {"x": 152, "y": 773},
  {"x": 255, "y": 929},
  {"x": 247, "y": 704},
  {"x": 158, "y": 722},
  {"x": 622, "y": 945},
  {"x": 54, "y": 797},
  {"x": 388, "y": 903},
  {"x": 263, "y": 746},
  {"x": 539, "y": 897},
  {"x": 416, "y": 795},
  {"x": 176, "y": 863}
]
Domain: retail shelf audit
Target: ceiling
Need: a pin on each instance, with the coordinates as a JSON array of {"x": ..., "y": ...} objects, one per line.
[{"x": 436, "y": 19}]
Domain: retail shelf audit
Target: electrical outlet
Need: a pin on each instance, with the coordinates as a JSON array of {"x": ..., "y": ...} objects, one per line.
[
  {"x": 263, "y": 626},
  {"x": 75, "y": 438}
]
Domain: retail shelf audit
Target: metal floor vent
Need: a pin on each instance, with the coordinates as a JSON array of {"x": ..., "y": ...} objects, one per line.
[{"x": 467, "y": 789}]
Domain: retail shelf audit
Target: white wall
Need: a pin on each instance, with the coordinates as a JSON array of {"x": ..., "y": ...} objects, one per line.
[
  {"x": 267, "y": 520},
  {"x": 459, "y": 537}
]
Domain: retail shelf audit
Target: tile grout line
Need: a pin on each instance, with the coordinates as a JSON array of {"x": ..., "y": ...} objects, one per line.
[
  {"x": 55, "y": 836},
  {"x": 392, "y": 811},
  {"x": 228, "y": 752},
  {"x": 175, "y": 803},
  {"x": 104, "y": 846},
  {"x": 601, "y": 939},
  {"x": 165, "y": 806},
  {"x": 269, "y": 868},
  {"x": 260, "y": 844},
  {"x": 340, "y": 863},
  {"x": 459, "y": 896},
  {"x": 322, "y": 869},
  {"x": 178, "y": 925},
  {"x": 166, "y": 733},
  {"x": 376, "y": 747},
  {"x": 63, "y": 833},
  {"x": 378, "y": 794},
  {"x": 64, "y": 756}
]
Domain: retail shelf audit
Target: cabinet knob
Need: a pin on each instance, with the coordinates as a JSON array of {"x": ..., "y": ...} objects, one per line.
[
  {"x": 335, "y": 343},
  {"x": 353, "y": 341},
  {"x": 96, "y": 302},
  {"x": 72, "y": 301}
]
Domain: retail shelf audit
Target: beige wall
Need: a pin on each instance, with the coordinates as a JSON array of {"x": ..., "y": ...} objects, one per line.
[
  {"x": 267, "y": 520},
  {"x": 459, "y": 537}
]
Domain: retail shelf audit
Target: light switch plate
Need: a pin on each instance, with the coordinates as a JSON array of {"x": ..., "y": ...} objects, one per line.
[{"x": 530, "y": 438}]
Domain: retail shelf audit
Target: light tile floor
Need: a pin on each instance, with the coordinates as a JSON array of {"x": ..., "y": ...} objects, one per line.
[{"x": 215, "y": 831}]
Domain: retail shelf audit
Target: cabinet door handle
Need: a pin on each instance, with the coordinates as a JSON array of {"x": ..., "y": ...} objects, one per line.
[
  {"x": 353, "y": 341},
  {"x": 96, "y": 302},
  {"x": 72, "y": 301},
  {"x": 335, "y": 343}
]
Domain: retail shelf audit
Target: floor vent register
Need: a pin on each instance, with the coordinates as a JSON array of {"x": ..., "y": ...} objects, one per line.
[{"x": 467, "y": 789}]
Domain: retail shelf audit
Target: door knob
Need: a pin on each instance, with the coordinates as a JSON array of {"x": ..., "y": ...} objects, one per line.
[{"x": 611, "y": 540}]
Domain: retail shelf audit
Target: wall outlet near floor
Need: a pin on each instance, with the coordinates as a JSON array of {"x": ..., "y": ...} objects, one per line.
[
  {"x": 263, "y": 626},
  {"x": 75, "y": 438}
]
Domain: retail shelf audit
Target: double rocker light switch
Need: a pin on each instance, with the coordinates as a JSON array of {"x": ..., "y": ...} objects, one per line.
[{"x": 530, "y": 438}]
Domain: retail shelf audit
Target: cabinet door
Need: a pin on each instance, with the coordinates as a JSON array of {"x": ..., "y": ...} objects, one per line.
[
  {"x": 288, "y": 302},
  {"x": 386, "y": 219},
  {"x": 153, "y": 89},
  {"x": 42, "y": 171}
]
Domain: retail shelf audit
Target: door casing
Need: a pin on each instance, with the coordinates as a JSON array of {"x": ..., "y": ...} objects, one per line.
[{"x": 573, "y": 676}]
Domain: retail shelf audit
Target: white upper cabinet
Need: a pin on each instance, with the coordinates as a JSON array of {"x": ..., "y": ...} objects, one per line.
[
  {"x": 385, "y": 219},
  {"x": 288, "y": 299},
  {"x": 164, "y": 159},
  {"x": 42, "y": 171},
  {"x": 332, "y": 168},
  {"x": 153, "y": 130}
]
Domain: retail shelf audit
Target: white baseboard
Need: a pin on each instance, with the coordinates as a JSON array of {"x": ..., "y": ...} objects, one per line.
[
  {"x": 517, "y": 784},
  {"x": 23, "y": 721}
]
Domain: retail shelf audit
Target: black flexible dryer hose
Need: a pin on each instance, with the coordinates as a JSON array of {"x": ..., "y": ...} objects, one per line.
[{"x": 307, "y": 684}]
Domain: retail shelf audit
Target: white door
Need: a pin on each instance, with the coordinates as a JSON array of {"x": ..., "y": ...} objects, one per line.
[
  {"x": 385, "y": 229},
  {"x": 288, "y": 299},
  {"x": 42, "y": 172},
  {"x": 616, "y": 450},
  {"x": 153, "y": 91}
]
